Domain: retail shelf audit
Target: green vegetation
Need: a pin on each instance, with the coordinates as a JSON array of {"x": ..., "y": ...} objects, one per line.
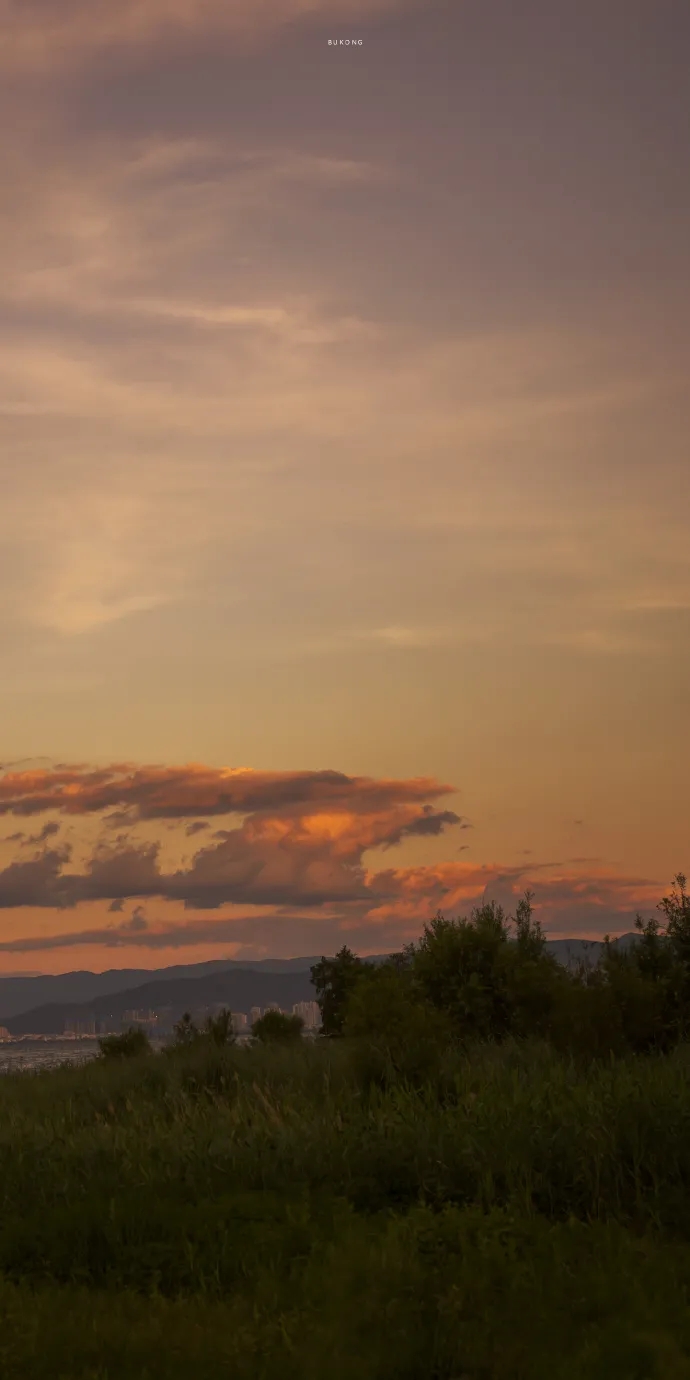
[
  {"x": 451, "y": 1188},
  {"x": 490, "y": 977},
  {"x": 130, "y": 1045},
  {"x": 276, "y": 1027},
  {"x": 218, "y": 1030}
]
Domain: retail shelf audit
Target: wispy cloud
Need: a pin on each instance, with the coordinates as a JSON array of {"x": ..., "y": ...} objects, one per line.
[
  {"x": 159, "y": 383},
  {"x": 158, "y": 792},
  {"x": 49, "y": 37}
]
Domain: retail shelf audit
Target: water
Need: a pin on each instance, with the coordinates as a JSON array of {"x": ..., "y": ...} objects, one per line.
[{"x": 45, "y": 1054}]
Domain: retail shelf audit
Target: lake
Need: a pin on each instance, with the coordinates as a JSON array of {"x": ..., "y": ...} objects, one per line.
[{"x": 44, "y": 1054}]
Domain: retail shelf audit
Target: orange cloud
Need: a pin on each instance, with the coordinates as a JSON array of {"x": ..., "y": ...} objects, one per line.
[
  {"x": 297, "y": 850},
  {"x": 451, "y": 886},
  {"x": 154, "y": 792},
  {"x": 300, "y": 843},
  {"x": 390, "y": 909}
]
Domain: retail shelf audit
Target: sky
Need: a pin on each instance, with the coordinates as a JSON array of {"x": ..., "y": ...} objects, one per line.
[{"x": 344, "y": 562}]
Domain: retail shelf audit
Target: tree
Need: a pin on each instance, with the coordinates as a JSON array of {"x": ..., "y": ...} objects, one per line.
[
  {"x": 676, "y": 941},
  {"x": 275, "y": 1027},
  {"x": 649, "y": 985},
  {"x": 400, "y": 1031},
  {"x": 459, "y": 966},
  {"x": 676, "y": 908},
  {"x": 531, "y": 940},
  {"x": 629, "y": 998},
  {"x": 334, "y": 980},
  {"x": 490, "y": 981},
  {"x": 219, "y": 1028},
  {"x": 535, "y": 979},
  {"x": 652, "y": 954},
  {"x": 186, "y": 1032},
  {"x": 129, "y": 1045}
]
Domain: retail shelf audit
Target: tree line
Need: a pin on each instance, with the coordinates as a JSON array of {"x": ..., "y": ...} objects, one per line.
[{"x": 490, "y": 977}]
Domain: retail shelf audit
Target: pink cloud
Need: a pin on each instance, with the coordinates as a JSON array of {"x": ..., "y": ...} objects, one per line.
[{"x": 301, "y": 847}]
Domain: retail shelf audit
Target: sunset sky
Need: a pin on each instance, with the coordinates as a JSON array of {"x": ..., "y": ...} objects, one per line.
[{"x": 344, "y": 416}]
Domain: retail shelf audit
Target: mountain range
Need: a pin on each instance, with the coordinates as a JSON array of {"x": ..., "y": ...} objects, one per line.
[
  {"x": 42, "y": 1005},
  {"x": 20, "y": 994}
]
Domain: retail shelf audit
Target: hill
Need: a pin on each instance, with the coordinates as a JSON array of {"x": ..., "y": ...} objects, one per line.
[
  {"x": 239, "y": 989},
  {"x": 42, "y": 1005},
  {"x": 19, "y": 994}
]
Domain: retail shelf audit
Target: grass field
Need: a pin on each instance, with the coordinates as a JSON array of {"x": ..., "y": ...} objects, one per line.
[{"x": 285, "y": 1213}]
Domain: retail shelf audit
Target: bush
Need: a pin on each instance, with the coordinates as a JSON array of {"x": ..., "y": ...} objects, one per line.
[
  {"x": 129, "y": 1045},
  {"x": 185, "y": 1031},
  {"x": 490, "y": 977},
  {"x": 334, "y": 980},
  {"x": 400, "y": 1034},
  {"x": 277, "y": 1027}
]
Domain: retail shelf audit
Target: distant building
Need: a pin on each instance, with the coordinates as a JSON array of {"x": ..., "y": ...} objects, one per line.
[
  {"x": 4, "y": 1033},
  {"x": 272, "y": 1006},
  {"x": 140, "y": 1020},
  {"x": 83, "y": 1026},
  {"x": 239, "y": 1022},
  {"x": 254, "y": 1015},
  {"x": 309, "y": 1012}
]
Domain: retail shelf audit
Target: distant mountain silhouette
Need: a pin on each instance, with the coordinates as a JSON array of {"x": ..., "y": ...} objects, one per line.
[
  {"x": 239, "y": 989},
  {"x": 42, "y": 1005},
  {"x": 19, "y": 994},
  {"x": 572, "y": 951}
]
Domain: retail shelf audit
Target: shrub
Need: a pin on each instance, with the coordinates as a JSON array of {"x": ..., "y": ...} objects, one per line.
[
  {"x": 334, "y": 980},
  {"x": 186, "y": 1032},
  {"x": 400, "y": 1034},
  {"x": 276, "y": 1027},
  {"x": 489, "y": 983},
  {"x": 129, "y": 1045},
  {"x": 219, "y": 1029}
]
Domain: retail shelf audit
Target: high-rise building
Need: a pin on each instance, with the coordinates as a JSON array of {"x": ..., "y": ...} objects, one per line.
[
  {"x": 84, "y": 1026},
  {"x": 310, "y": 1013},
  {"x": 254, "y": 1015},
  {"x": 140, "y": 1020},
  {"x": 239, "y": 1022}
]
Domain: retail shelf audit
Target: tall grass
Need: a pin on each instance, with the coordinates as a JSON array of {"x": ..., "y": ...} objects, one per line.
[{"x": 280, "y": 1211}]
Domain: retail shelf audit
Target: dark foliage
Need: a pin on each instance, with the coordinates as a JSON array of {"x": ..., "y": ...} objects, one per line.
[
  {"x": 277, "y": 1027},
  {"x": 130, "y": 1045},
  {"x": 334, "y": 980},
  {"x": 490, "y": 977}
]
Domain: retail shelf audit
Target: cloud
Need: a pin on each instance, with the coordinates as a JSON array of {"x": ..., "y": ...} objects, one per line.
[
  {"x": 564, "y": 902},
  {"x": 304, "y": 844},
  {"x": 137, "y": 924},
  {"x": 376, "y": 924},
  {"x": 158, "y": 792},
  {"x": 41, "y": 36},
  {"x": 301, "y": 842},
  {"x": 31, "y": 840},
  {"x": 39, "y": 882},
  {"x": 317, "y": 889},
  {"x": 270, "y": 860},
  {"x": 156, "y": 315}
]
